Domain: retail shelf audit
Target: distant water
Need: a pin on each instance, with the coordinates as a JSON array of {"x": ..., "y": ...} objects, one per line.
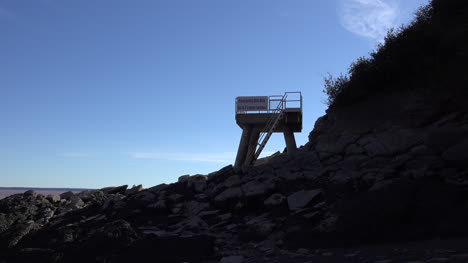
[{"x": 7, "y": 191}]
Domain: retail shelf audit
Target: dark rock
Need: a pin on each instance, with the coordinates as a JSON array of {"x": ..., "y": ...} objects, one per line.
[
  {"x": 457, "y": 154},
  {"x": 158, "y": 188},
  {"x": 229, "y": 194},
  {"x": 275, "y": 200},
  {"x": 53, "y": 198},
  {"x": 193, "y": 208},
  {"x": 73, "y": 202},
  {"x": 6, "y": 220},
  {"x": 134, "y": 190},
  {"x": 16, "y": 232},
  {"x": 45, "y": 215},
  {"x": 67, "y": 195},
  {"x": 115, "y": 190},
  {"x": 183, "y": 178},
  {"x": 442, "y": 138},
  {"x": 145, "y": 196},
  {"x": 232, "y": 259},
  {"x": 30, "y": 193},
  {"x": 255, "y": 188},
  {"x": 303, "y": 198},
  {"x": 160, "y": 205},
  {"x": 195, "y": 248}
]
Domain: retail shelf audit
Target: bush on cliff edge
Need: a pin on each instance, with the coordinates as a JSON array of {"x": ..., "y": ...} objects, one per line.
[{"x": 429, "y": 53}]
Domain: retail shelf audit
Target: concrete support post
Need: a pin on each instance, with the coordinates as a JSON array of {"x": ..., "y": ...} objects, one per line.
[
  {"x": 290, "y": 140},
  {"x": 243, "y": 145},
  {"x": 252, "y": 147}
]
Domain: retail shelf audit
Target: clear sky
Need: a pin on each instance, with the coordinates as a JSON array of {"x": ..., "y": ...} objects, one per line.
[{"x": 96, "y": 93}]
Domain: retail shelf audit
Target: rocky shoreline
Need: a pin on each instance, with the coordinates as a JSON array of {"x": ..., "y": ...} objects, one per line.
[
  {"x": 383, "y": 179},
  {"x": 335, "y": 198}
]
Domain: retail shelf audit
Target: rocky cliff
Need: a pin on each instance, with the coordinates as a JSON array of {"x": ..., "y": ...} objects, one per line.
[{"x": 382, "y": 179}]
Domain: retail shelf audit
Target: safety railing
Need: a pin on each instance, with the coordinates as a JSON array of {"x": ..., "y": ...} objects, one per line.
[{"x": 290, "y": 101}]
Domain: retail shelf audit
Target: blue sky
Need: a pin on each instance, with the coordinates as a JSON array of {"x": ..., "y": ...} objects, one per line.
[{"x": 96, "y": 93}]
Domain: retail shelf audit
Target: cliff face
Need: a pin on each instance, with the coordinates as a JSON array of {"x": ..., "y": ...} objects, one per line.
[{"x": 390, "y": 167}]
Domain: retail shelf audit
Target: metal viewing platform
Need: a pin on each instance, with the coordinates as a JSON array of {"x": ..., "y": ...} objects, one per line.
[{"x": 260, "y": 116}]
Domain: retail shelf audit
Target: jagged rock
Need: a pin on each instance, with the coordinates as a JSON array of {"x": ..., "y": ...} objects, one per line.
[
  {"x": 196, "y": 182},
  {"x": 225, "y": 217},
  {"x": 199, "y": 186},
  {"x": 257, "y": 228},
  {"x": 442, "y": 138},
  {"x": 457, "y": 154},
  {"x": 183, "y": 178},
  {"x": 157, "y": 188},
  {"x": 231, "y": 181},
  {"x": 134, "y": 190},
  {"x": 67, "y": 195},
  {"x": 422, "y": 150},
  {"x": 220, "y": 175},
  {"x": 115, "y": 189},
  {"x": 344, "y": 176},
  {"x": 390, "y": 143},
  {"x": 207, "y": 214},
  {"x": 160, "y": 205},
  {"x": 16, "y": 232},
  {"x": 353, "y": 162},
  {"x": 228, "y": 194},
  {"x": 72, "y": 203},
  {"x": 119, "y": 230},
  {"x": 275, "y": 199},
  {"x": 96, "y": 197},
  {"x": 328, "y": 145},
  {"x": 194, "y": 224},
  {"x": 30, "y": 193},
  {"x": 175, "y": 197},
  {"x": 201, "y": 197},
  {"x": 354, "y": 149},
  {"x": 303, "y": 198},
  {"x": 192, "y": 208},
  {"x": 232, "y": 259},
  {"x": 146, "y": 196},
  {"x": 6, "y": 221},
  {"x": 255, "y": 188},
  {"x": 53, "y": 198},
  {"x": 114, "y": 201},
  {"x": 288, "y": 175},
  {"x": 45, "y": 215}
]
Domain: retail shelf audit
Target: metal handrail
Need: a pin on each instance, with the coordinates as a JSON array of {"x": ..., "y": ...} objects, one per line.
[
  {"x": 268, "y": 129},
  {"x": 275, "y": 98}
]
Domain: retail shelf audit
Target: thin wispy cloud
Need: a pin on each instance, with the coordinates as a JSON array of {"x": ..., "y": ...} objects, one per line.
[
  {"x": 368, "y": 18},
  {"x": 223, "y": 157}
]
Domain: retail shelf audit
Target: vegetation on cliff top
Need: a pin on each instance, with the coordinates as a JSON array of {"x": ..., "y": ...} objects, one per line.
[{"x": 429, "y": 53}]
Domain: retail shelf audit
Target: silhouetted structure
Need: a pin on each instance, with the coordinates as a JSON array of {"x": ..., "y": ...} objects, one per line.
[{"x": 260, "y": 116}]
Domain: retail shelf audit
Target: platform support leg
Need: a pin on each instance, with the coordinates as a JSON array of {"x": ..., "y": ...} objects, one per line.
[
  {"x": 290, "y": 140},
  {"x": 252, "y": 147},
  {"x": 243, "y": 146}
]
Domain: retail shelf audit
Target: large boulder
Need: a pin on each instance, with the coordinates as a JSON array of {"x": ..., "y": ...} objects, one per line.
[
  {"x": 115, "y": 189},
  {"x": 229, "y": 194},
  {"x": 303, "y": 198},
  {"x": 256, "y": 188},
  {"x": 457, "y": 154}
]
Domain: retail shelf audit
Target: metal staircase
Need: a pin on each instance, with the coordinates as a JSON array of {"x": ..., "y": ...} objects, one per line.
[{"x": 275, "y": 116}]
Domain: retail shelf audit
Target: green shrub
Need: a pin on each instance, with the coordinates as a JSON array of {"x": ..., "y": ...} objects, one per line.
[
  {"x": 416, "y": 56},
  {"x": 334, "y": 87}
]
